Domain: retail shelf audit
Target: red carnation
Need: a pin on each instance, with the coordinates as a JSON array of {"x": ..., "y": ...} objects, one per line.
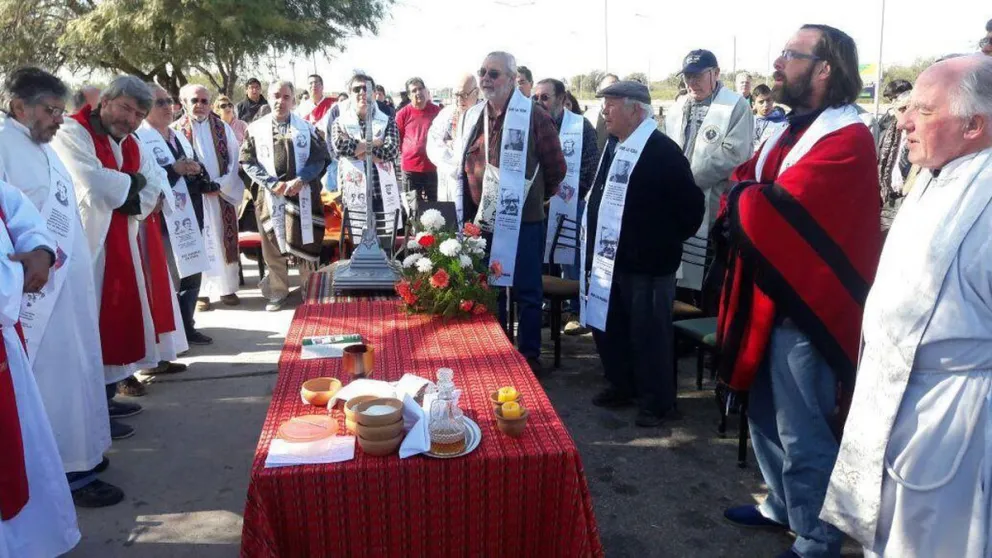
[
  {"x": 440, "y": 279},
  {"x": 479, "y": 309},
  {"x": 466, "y": 305},
  {"x": 471, "y": 230},
  {"x": 426, "y": 241}
]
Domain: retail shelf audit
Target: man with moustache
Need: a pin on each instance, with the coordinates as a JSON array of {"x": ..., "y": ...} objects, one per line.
[
  {"x": 444, "y": 140},
  {"x": 802, "y": 241}
]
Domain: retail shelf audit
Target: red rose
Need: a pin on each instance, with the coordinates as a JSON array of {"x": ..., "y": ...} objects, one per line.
[
  {"x": 426, "y": 241},
  {"x": 471, "y": 230},
  {"x": 466, "y": 305},
  {"x": 479, "y": 309},
  {"x": 440, "y": 279}
]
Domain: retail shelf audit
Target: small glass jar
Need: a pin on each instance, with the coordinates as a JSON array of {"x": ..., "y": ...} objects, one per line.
[{"x": 447, "y": 428}]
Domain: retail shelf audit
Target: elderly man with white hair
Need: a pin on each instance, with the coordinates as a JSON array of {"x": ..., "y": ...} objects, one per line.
[
  {"x": 216, "y": 148},
  {"x": 643, "y": 204},
  {"x": 512, "y": 164},
  {"x": 444, "y": 137},
  {"x": 914, "y": 474}
]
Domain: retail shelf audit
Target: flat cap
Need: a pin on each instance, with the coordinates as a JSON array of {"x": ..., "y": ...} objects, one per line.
[{"x": 628, "y": 90}]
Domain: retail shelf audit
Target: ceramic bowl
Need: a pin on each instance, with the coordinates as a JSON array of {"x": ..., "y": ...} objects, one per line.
[
  {"x": 349, "y": 407},
  {"x": 319, "y": 391},
  {"x": 379, "y": 433},
  {"x": 512, "y": 427},
  {"x": 380, "y": 448},
  {"x": 365, "y": 419},
  {"x": 494, "y": 397}
]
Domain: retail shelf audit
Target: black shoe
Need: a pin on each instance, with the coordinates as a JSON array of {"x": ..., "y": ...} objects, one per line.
[
  {"x": 102, "y": 466},
  {"x": 194, "y": 337},
  {"x": 119, "y": 409},
  {"x": 131, "y": 387},
  {"x": 119, "y": 430},
  {"x": 97, "y": 494},
  {"x": 649, "y": 419},
  {"x": 611, "y": 398}
]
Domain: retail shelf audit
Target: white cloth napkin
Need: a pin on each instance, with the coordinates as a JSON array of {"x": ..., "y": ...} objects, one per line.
[
  {"x": 418, "y": 437},
  {"x": 355, "y": 388},
  {"x": 327, "y": 450}
]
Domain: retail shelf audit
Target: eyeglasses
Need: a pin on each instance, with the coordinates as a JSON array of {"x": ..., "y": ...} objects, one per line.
[
  {"x": 131, "y": 110},
  {"x": 359, "y": 89},
  {"x": 461, "y": 95},
  {"x": 493, "y": 74},
  {"x": 788, "y": 54},
  {"x": 53, "y": 111},
  {"x": 226, "y": 105},
  {"x": 162, "y": 103},
  {"x": 199, "y": 101},
  {"x": 543, "y": 97}
]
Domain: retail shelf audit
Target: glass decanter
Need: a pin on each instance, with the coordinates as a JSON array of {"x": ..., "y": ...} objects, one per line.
[{"x": 447, "y": 429}]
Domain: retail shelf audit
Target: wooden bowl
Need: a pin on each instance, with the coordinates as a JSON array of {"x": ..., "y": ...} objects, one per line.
[
  {"x": 319, "y": 391},
  {"x": 512, "y": 427},
  {"x": 350, "y": 426},
  {"x": 380, "y": 448},
  {"x": 494, "y": 397},
  {"x": 379, "y": 433},
  {"x": 364, "y": 419},
  {"x": 349, "y": 407}
]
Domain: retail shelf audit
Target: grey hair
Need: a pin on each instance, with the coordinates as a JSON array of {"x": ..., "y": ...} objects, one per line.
[
  {"x": 646, "y": 108},
  {"x": 277, "y": 85},
  {"x": 128, "y": 86},
  {"x": 508, "y": 60},
  {"x": 31, "y": 85},
  {"x": 187, "y": 91},
  {"x": 973, "y": 96}
]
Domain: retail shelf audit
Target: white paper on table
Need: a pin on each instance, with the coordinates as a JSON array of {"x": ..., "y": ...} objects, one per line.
[
  {"x": 411, "y": 384},
  {"x": 327, "y": 450},
  {"x": 418, "y": 437},
  {"x": 363, "y": 386}
]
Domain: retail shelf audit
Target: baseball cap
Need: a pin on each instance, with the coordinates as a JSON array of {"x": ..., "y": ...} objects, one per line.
[{"x": 697, "y": 61}]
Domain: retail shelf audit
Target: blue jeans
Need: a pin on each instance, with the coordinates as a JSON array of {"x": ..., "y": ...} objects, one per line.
[
  {"x": 636, "y": 348},
  {"x": 791, "y": 404},
  {"x": 572, "y": 271},
  {"x": 528, "y": 290}
]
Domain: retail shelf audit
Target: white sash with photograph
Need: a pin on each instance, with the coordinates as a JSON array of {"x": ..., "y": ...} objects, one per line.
[
  {"x": 300, "y": 132},
  {"x": 504, "y": 190},
  {"x": 351, "y": 172},
  {"x": 566, "y": 201},
  {"x": 59, "y": 213},
  {"x": 185, "y": 237},
  {"x": 594, "y": 303}
]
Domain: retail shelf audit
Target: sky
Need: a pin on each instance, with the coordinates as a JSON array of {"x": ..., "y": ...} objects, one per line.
[{"x": 438, "y": 40}]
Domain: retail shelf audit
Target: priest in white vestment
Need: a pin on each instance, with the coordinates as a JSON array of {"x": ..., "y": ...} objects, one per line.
[
  {"x": 444, "y": 140},
  {"x": 36, "y": 514},
  {"x": 914, "y": 475},
  {"x": 117, "y": 186},
  {"x": 216, "y": 148},
  {"x": 61, "y": 323},
  {"x": 715, "y": 129}
]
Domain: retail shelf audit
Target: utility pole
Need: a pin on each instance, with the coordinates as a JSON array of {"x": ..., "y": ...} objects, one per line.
[
  {"x": 735, "y": 57},
  {"x": 878, "y": 69},
  {"x": 606, "y": 35}
]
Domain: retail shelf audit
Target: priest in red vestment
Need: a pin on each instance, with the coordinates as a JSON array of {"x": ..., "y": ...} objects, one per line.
[
  {"x": 317, "y": 108},
  {"x": 801, "y": 245}
]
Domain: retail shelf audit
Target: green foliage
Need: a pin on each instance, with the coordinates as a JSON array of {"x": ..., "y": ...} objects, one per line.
[
  {"x": 908, "y": 73},
  {"x": 29, "y": 29},
  {"x": 638, "y": 77}
]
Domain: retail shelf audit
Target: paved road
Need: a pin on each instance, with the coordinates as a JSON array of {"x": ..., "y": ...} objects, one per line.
[{"x": 657, "y": 492}]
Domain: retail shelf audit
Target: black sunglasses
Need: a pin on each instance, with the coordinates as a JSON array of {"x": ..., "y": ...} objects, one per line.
[
  {"x": 226, "y": 105},
  {"x": 160, "y": 103},
  {"x": 543, "y": 97},
  {"x": 493, "y": 74},
  {"x": 359, "y": 89},
  {"x": 197, "y": 101}
]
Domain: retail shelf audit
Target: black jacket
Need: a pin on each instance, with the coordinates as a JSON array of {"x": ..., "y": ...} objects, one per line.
[
  {"x": 248, "y": 110},
  {"x": 663, "y": 208}
]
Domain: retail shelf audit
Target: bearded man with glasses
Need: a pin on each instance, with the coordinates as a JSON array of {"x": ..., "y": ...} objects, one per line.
[
  {"x": 494, "y": 174},
  {"x": 800, "y": 239}
]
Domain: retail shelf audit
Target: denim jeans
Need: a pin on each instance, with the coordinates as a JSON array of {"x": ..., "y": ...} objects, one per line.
[
  {"x": 572, "y": 271},
  {"x": 790, "y": 407},
  {"x": 636, "y": 348},
  {"x": 528, "y": 290}
]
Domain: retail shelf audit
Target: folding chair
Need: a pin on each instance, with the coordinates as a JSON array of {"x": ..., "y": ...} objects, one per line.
[{"x": 556, "y": 289}]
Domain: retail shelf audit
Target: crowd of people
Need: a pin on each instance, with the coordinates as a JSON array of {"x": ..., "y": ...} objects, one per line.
[{"x": 866, "y": 372}]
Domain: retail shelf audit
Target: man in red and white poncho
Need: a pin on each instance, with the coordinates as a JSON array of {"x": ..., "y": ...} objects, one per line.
[
  {"x": 803, "y": 241},
  {"x": 37, "y": 517}
]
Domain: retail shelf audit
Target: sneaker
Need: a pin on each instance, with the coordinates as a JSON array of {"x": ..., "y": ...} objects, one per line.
[
  {"x": 166, "y": 367},
  {"x": 203, "y": 305},
  {"x": 275, "y": 305},
  {"x": 573, "y": 327},
  {"x": 102, "y": 465},
  {"x": 97, "y": 494},
  {"x": 131, "y": 387},
  {"x": 119, "y": 409},
  {"x": 196, "y": 338},
  {"x": 611, "y": 398},
  {"x": 119, "y": 430},
  {"x": 230, "y": 300},
  {"x": 750, "y": 517},
  {"x": 649, "y": 419}
]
